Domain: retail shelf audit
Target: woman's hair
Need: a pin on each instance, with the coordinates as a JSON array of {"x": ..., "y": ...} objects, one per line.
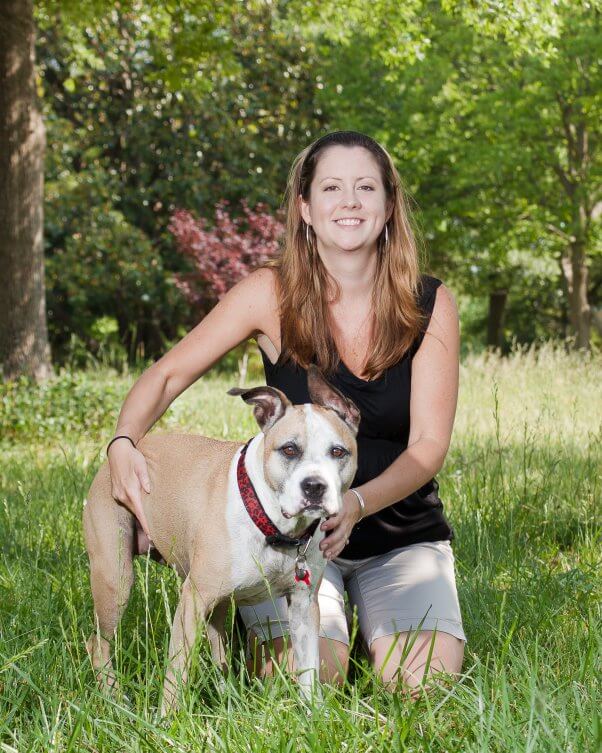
[{"x": 304, "y": 283}]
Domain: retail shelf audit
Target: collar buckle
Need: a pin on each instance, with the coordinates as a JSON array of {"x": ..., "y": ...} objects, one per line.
[{"x": 279, "y": 539}]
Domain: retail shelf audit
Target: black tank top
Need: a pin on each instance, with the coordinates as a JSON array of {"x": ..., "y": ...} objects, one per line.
[{"x": 384, "y": 405}]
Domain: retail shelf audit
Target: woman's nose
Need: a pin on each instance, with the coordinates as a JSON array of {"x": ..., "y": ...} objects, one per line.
[{"x": 351, "y": 199}]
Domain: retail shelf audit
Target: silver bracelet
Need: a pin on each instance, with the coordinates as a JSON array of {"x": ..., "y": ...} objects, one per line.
[{"x": 360, "y": 499}]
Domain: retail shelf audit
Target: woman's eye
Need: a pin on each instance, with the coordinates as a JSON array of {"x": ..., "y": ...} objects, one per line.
[
  {"x": 369, "y": 188},
  {"x": 329, "y": 187},
  {"x": 338, "y": 452}
]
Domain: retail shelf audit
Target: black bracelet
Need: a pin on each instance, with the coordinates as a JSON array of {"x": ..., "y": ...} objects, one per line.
[{"x": 121, "y": 436}]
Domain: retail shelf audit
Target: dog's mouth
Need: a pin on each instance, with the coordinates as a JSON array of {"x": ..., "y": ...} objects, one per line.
[{"x": 307, "y": 506}]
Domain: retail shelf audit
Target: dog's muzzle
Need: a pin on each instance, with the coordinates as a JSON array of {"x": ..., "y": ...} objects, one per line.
[{"x": 313, "y": 489}]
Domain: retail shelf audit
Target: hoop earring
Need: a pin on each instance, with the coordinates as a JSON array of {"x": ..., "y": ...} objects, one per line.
[
  {"x": 386, "y": 234},
  {"x": 307, "y": 235}
]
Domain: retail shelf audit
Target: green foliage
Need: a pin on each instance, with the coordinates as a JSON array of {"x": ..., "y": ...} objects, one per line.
[
  {"x": 85, "y": 403},
  {"x": 109, "y": 266},
  {"x": 157, "y": 107},
  {"x": 493, "y": 121},
  {"x": 72, "y": 402},
  {"x": 131, "y": 138}
]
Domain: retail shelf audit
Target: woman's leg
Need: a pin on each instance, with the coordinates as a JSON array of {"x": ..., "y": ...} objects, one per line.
[
  {"x": 404, "y": 658},
  {"x": 334, "y": 658},
  {"x": 408, "y": 611}
]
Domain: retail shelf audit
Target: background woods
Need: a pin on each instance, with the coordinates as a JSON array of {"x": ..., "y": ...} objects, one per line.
[{"x": 492, "y": 117}]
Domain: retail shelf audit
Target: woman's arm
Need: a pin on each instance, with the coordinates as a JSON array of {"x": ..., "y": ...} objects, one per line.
[
  {"x": 433, "y": 400},
  {"x": 240, "y": 313}
]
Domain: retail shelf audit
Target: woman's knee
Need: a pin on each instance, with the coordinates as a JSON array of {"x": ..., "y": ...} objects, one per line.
[
  {"x": 397, "y": 661},
  {"x": 334, "y": 658},
  {"x": 265, "y": 654},
  {"x": 334, "y": 661}
]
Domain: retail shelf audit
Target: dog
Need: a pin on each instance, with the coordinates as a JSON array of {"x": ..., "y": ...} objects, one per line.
[{"x": 232, "y": 519}]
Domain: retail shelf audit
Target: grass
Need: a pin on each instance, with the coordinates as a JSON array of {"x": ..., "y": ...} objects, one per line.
[{"x": 521, "y": 486}]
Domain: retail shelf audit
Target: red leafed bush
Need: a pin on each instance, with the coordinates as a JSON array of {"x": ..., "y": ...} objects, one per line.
[{"x": 224, "y": 253}]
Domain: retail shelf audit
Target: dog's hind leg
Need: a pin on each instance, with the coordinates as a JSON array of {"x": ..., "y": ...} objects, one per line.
[{"x": 109, "y": 535}]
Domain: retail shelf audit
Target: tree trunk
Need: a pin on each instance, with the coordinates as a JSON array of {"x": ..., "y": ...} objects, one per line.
[
  {"x": 23, "y": 330},
  {"x": 495, "y": 320},
  {"x": 575, "y": 274}
]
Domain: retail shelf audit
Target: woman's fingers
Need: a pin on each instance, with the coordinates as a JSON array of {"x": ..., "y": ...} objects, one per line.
[
  {"x": 135, "y": 497},
  {"x": 330, "y": 523},
  {"x": 334, "y": 544},
  {"x": 129, "y": 476},
  {"x": 141, "y": 469},
  {"x": 144, "y": 480},
  {"x": 131, "y": 499}
]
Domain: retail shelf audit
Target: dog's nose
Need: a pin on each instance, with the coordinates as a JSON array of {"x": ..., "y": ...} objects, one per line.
[{"x": 313, "y": 488}]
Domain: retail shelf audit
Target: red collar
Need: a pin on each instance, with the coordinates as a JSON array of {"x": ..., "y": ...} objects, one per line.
[{"x": 259, "y": 516}]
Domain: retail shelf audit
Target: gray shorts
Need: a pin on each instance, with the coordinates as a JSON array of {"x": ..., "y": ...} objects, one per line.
[{"x": 408, "y": 588}]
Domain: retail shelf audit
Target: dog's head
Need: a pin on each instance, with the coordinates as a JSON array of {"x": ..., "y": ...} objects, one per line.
[{"x": 310, "y": 451}]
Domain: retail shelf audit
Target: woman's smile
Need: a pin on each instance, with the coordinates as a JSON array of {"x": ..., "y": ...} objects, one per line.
[{"x": 349, "y": 222}]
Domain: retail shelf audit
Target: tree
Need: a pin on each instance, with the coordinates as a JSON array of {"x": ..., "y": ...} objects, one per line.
[
  {"x": 186, "y": 38},
  {"x": 545, "y": 103},
  {"x": 151, "y": 114},
  {"x": 23, "y": 332},
  {"x": 492, "y": 112}
]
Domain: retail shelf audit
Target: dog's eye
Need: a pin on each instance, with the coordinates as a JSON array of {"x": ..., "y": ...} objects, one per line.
[
  {"x": 338, "y": 452},
  {"x": 290, "y": 450}
]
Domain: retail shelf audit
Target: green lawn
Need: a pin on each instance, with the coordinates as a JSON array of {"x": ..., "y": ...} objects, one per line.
[{"x": 521, "y": 486}]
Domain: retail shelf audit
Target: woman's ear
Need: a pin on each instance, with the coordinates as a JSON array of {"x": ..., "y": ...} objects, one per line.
[{"x": 304, "y": 210}]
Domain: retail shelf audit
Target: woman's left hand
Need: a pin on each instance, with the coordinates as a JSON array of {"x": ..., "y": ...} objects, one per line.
[{"x": 339, "y": 527}]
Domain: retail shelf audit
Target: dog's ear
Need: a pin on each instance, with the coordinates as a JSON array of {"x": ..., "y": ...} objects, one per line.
[
  {"x": 323, "y": 393},
  {"x": 269, "y": 404}
]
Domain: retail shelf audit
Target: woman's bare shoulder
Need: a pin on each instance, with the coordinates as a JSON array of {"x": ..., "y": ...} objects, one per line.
[
  {"x": 265, "y": 282},
  {"x": 445, "y": 309},
  {"x": 265, "y": 285}
]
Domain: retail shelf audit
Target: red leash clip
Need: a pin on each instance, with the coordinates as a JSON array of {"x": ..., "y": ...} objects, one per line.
[
  {"x": 302, "y": 573},
  {"x": 304, "y": 579}
]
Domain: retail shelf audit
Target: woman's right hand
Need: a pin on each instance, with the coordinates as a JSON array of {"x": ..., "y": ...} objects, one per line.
[{"x": 129, "y": 478}]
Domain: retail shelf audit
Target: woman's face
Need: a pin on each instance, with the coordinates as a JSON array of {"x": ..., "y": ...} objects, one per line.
[{"x": 347, "y": 205}]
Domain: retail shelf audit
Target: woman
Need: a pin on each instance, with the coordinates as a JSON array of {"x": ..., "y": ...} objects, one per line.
[{"x": 346, "y": 293}]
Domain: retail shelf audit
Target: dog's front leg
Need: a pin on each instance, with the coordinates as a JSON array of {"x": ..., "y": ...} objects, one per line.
[
  {"x": 216, "y": 634},
  {"x": 193, "y": 607},
  {"x": 304, "y": 621}
]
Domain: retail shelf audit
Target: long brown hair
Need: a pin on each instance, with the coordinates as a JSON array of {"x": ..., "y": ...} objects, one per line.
[{"x": 303, "y": 281}]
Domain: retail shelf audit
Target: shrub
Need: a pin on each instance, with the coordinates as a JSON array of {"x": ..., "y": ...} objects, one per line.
[
  {"x": 225, "y": 253},
  {"x": 109, "y": 268}
]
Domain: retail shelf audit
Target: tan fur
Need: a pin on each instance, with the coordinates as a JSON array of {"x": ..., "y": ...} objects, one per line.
[
  {"x": 185, "y": 513},
  {"x": 335, "y": 422},
  {"x": 190, "y": 492}
]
